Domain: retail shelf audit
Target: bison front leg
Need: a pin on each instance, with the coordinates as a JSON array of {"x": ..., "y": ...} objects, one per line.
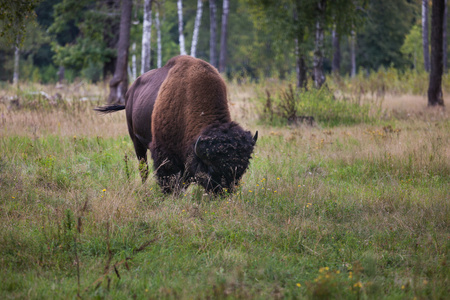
[{"x": 168, "y": 172}]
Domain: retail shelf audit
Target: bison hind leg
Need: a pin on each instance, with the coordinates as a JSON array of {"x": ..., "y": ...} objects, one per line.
[{"x": 143, "y": 169}]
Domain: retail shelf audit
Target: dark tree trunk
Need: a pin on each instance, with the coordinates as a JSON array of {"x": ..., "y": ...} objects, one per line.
[
  {"x": 426, "y": 47},
  {"x": 436, "y": 67},
  {"x": 445, "y": 37},
  {"x": 223, "y": 37},
  {"x": 119, "y": 83},
  {"x": 300, "y": 69},
  {"x": 336, "y": 64},
  {"x": 111, "y": 37},
  {"x": 212, "y": 32}
]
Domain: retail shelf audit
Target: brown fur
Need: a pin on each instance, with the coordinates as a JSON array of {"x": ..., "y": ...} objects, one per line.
[
  {"x": 195, "y": 95},
  {"x": 180, "y": 112}
]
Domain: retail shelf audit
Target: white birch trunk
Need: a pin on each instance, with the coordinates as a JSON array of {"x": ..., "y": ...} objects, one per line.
[
  {"x": 425, "y": 44},
  {"x": 212, "y": 32},
  {"x": 319, "y": 77},
  {"x": 223, "y": 37},
  {"x": 146, "y": 36},
  {"x": 16, "y": 66},
  {"x": 180, "y": 27},
  {"x": 353, "y": 54},
  {"x": 198, "y": 19},
  {"x": 158, "y": 33},
  {"x": 133, "y": 63}
]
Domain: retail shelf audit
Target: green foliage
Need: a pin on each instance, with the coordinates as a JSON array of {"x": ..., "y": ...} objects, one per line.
[
  {"x": 380, "y": 40},
  {"x": 295, "y": 106},
  {"x": 14, "y": 18},
  {"x": 413, "y": 49},
  {"x": 90, "y": 47}
]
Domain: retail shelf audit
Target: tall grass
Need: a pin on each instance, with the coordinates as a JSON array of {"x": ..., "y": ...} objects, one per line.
[{"x": 331, "y": 211}]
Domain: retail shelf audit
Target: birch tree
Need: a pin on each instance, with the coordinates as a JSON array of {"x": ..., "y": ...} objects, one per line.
[
  {"x": 16, "y": 64},
  {"x": 133, "y": 62},
  {"x": 319, "y": 77},
  {"x": 223, "y": 37},
  {"x": 353, "y": 54},
  {"x": 180, "y": 27},
  {"x": 426, "y": 47},
  {"x": 158, "y": 40},
  {"x": 435, "y": 96},
  {"x": 198, "y": 18},
  {"x": 119, "y": 83},
  {"x": 146, "y": 37},
  {"x": 212, "y": 32},
  {"x": 336, "y": 64}
]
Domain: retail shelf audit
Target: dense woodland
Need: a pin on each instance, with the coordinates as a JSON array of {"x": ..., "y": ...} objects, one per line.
[
  {"x": 78, "y": 39},
  {"x": 81, "y": 36}
]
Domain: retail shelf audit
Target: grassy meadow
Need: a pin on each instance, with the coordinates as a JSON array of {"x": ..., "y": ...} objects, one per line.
[{"x": 353, "y": 209}]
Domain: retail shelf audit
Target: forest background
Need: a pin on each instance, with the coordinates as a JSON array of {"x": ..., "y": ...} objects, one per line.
[{"x": 82, "y": 36}]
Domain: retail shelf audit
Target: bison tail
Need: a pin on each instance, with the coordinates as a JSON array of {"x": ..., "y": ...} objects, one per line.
[{"x": 109, "y": 108}]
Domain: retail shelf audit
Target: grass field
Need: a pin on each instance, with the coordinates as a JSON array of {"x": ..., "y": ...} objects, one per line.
[{"x": 345, "y": 212}]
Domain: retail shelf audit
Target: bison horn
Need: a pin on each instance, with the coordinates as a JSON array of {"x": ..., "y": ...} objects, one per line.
[
  {"x": 195, "y": 147},
  {"x": 255, "y": 138}
]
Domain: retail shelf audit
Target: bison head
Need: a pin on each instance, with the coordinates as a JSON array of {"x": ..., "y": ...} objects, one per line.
[{"x": 222, "y": 153}]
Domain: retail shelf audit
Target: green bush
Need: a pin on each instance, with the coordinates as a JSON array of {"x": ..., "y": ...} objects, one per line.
[{"x": 291, "y": 106}]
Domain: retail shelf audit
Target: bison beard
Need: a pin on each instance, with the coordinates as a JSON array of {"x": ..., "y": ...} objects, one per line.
[{"x": 180, "y": 112}]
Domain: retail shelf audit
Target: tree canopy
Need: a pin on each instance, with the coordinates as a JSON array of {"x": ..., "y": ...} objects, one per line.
[{"x": 265, "y": 37}]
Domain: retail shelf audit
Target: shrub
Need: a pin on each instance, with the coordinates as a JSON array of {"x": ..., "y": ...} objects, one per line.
[{"x": 293, "y": 106}]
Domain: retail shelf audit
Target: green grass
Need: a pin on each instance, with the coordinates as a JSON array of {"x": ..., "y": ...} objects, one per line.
[{"x": 344, "y": 212}]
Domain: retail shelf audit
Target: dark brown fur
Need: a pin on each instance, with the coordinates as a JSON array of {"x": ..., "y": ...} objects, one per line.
[{"x": 180, "y": 112}]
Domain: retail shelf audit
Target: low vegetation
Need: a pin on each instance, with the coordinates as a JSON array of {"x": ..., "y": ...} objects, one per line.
[{"x": 341, "y": 209}]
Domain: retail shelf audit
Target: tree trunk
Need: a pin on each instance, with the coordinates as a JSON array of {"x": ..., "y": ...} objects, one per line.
[
  {"x": 146, "y": 37},
  {"x": 353, "y": 54},
  {"x": 119, "y": 83},
  {"x": 300, "y": 68},
  {"x": 158, "y": 33},
  {"x": 223, "y": 37},
  {"x": 16, "y": 64},
  {"x": 436, "y": 67},
  {"x": 319, "y": 77},
  {"x": 336, "y": 64},
  {"x": 426, "y": 47},
  {"x": 212, "y": 32},
  {"x": 445, "y": 37},
  {"x": 60, "y": 74},
  {"x": 111, "y": 37},
  {"x": 180, "y": 27},
  {"x": 198, "y": 19},
  {"x": 133, "y": 62}
]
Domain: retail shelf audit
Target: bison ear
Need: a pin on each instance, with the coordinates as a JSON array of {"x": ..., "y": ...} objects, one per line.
[{"x": 255, "y": 138}]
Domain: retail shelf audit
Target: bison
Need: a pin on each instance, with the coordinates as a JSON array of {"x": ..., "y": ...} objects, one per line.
[{"x": 180, "y": 112}]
